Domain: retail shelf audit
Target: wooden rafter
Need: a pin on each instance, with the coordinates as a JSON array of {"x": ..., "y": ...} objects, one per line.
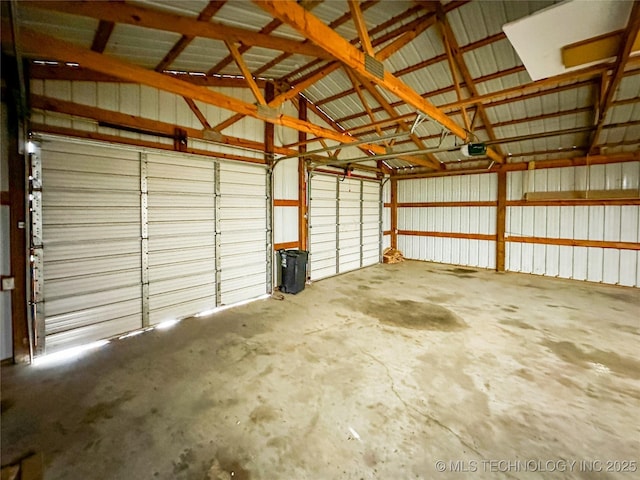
[
  {"x": 101, "y": 38},
  {"x": 205, "y": 15},
  {"x": 34, "y": 43},
  {"x": 335, "y": 24},
  {"x": 197, "y": 112},
  {"x": 130, "y": 121},
  {"x": 155, "y": 19},
  {"x": 403, "y": 35},
  {"x": 289, "y": 94},
  {"x": 430, "y": 161},
  {"x": 237, "y": 56},
  {"x": 453, "y": 68},
  {"x": 628, "y": 38},
  {"x": 363, "y": 100},
  {"x": 452, "y": 43},
  {"x": 361, "y": 27},
  {"x": 312, "y": 28},
  {"x": 217, "y": 68}
]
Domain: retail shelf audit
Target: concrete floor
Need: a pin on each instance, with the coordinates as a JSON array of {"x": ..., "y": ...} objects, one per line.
[{"x": 378, "y": 373}]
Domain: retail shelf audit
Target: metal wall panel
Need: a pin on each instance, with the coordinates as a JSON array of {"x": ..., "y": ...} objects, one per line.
[
  {"x": 244, "y": 233},
  {"x": 452, "y": 219},
  {"x": 598, "y": 223},
  {"x": 91, "y": 236},
  {"x": 181, "y": 236}
]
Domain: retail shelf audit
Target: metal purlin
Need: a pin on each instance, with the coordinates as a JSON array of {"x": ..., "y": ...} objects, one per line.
[{"x": 144, "y": 236}]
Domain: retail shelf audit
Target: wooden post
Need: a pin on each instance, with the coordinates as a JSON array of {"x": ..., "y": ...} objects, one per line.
[
  {"x": 302, "y": 179},
  {"x": 17, "y": 240},
  {"x": 269, "y": 128},
  {"x": 394, "y": 213},
  {"x": 501, "y": 219}
]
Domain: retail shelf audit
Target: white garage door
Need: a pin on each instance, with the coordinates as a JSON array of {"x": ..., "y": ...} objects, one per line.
[
  {"x": 244, "y": 236},
  {"x": 181, "y": 236},
  {"x": 133, "y": 238},
  {"x": 344, "y": 224},
  {"x": 91, "y": 238}
]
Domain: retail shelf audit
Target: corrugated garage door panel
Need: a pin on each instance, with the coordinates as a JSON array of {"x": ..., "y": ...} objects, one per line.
[
  {"x": 371, "y": 223},
  {"x": 344, "y": 224},
  {"x": 243, "y": 232},
  {"x": 322, "y": 223},
  {"x": 349, "y": 222},
  {"x": 181, "y": 230},
  {"x": 91, "y": 237}
]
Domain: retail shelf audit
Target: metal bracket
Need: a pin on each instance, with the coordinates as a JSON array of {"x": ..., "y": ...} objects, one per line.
[
  {"x": 268, "y": 112},
  {"x": 374, "y": 66}
]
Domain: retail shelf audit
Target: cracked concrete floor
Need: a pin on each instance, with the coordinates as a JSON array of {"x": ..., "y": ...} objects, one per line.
[{"x": 377, "y": 373}]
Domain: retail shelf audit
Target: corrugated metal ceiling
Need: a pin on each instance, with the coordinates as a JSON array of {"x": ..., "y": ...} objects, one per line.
[{"x": 470, "y": 22}]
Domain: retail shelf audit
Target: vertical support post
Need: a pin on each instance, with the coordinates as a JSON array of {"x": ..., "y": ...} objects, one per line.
[
  {"x": 18, "y": 239},
  {"x": 269, "y": 149},
  {"x": 218, "y": 239},
  {"x": 36, "y": 247},
  {"x": 269, "y": 128},
  {"x": 144, "y": 236},
  {"x": 337, "y": 224},
  {"x": 302, "y": 180},
  {"x": 270, "y": 252},
  {"x": 380, "y": 216},
  {"x": 394, "y": 213},
  {"x": 501, "y": 220},
  {"x": 361, "y": 223}
]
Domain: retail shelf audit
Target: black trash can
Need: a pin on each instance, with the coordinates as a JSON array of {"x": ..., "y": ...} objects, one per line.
[{"x": 293, "y": 272}]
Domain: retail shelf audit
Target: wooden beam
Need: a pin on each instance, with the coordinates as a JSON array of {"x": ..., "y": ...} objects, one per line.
[
  {"x": 501, "y": 221},
  {"x": 101, "y": 38},
  {"x": 71, "y": 132},
  {"x": 534, "y": 87},
  {"x": 285, "y": 203},
  {"x": 470, "y": 203},
  {"x": 628, "y": 38},
  {"x": 302, "y": 179},
  {"x": 269, "y": 129},
  {"x": 197, "y": 112},
  {"x": 158, "y": 20},
  {"x": 312, "y": 28},
  {"x": 570, "y": 242},
  {"x": 466, "y": 236},
  {"x": 245, "y": 72},
  {"x": 450, "y": 38},
  {"x": 394, "y": 212},
  {"x": 205, "y": 15},
  {"x": 361, "y": 27},
  {"x": 34, "y": 43},
  {"x": 430, "y": 161},
  {"x": 285, "y": 245},
  {"x": 100, "y": 115},
  {"x": 72, "y": 73},
  {"x": 217, "y": 68},
  {"x": 595, "y": 49}
]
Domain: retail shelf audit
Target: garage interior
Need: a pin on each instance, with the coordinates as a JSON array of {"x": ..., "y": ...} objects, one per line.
[{"x": 464, "y": 176}]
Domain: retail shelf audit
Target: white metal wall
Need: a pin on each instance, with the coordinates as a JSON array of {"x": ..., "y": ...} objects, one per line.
[
  {"x": 441, "y": 220},
  {"x": 181, "y": 230},
  {"x": 596, "y": 222},
  {"x": 386, "y": 214},
  {"x": 344, "y": 224},
  {"x": 91, "y": 235},
  {"x": 244, "y": 238}
]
